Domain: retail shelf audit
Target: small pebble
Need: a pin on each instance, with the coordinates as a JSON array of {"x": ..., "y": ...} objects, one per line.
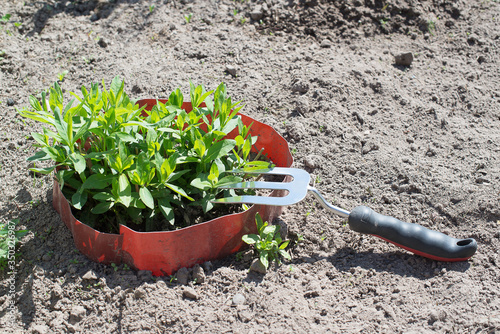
[
  {"x": 139, "y": 293},
  {"x": 207, "y": 266},
  {"x": 89, "y": 275},
  {"x": 231, "y": 70},
  {"x": 257, "y": 13},
  {"x": 102, "y": 43},
  {"x": 40, "y": 329},
  {"x": 312, "y": 161},
  {"x": 77, "y": 314},
  {"x": 239, "y": 299},
  {"x": 258, "y": 267},
  {"x": 190, "y": 293},
  {"x": 182, "y": 276},
  {"x": 326, "y": 43},
  {"x": 300, "y": 86},
  {"x": 198, "y": 274},
  {"x": 404, "y": 59}
]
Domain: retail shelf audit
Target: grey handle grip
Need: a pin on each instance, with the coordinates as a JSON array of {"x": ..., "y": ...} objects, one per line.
[{"x": 413, "y": 237}]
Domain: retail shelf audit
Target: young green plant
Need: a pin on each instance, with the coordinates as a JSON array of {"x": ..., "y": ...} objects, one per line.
[
  {"x": 9, "y": 238},
  {"x": 267, "y": 243},
  {"x": 136, "y": 167}
]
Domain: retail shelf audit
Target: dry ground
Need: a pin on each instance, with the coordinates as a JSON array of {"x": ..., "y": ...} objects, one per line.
[{"x": 417, "y": 142}]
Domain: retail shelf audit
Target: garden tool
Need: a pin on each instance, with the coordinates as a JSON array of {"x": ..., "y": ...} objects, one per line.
[{"x": 412, "y": 237}]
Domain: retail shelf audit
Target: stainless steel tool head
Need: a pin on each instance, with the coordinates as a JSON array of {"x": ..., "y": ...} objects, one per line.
[{"x": 297, "y": 188}]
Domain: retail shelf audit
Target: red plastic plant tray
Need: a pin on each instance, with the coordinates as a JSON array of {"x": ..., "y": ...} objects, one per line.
[{"x": 163, "y": 253}]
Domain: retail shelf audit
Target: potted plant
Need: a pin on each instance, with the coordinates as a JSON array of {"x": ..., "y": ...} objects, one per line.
[{"x": 140, "y": 176}]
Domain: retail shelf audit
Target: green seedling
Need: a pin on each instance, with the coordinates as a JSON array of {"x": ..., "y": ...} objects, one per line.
[
  {"x": 62, "y": 75},
  {"x": 151, "y": 8},
  {"x": 74, "y": 261},
  {"x": 88, "y": 60},
  {"x": 9, "y": 239},
  {"x": 139, "y": 167},
  {"x": 4, "y": 19},
  {"x": 267, "y": 243},
  {"x": 188, "y": 17},
  {"x": 431, "y": 27}
]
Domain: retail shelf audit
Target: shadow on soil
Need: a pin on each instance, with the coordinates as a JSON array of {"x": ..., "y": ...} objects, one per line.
[
  {"x": 42, "y": 259},
  {"x": 394, "y": 262},
  {"x": 95, "y": 9}
]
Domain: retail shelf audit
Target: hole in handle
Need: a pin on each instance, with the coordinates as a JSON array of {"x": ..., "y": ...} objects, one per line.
[{"x": 464, "y": 242}]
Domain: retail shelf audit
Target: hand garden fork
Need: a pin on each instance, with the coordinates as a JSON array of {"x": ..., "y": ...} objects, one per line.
[{"x": 412, "y": 237}]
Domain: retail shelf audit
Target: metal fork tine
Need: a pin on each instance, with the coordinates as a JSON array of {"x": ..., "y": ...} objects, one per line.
[
  {"x": 262, "y": 200},
  {"x": 258, "y": 185},
  {"x": 297, "y": 188}
]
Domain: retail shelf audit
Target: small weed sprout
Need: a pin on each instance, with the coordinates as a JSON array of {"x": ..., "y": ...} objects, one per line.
[
  {"x": 188, "y": 17},
  {"x": 431, "y": 27},
  {"x": 4, "y": 19},
  {"x": 62, "y": 75},
  {"x": 151, "y": 8},
  {"x": 8, "y": 241},
  {"x": 268, "y": 243}
]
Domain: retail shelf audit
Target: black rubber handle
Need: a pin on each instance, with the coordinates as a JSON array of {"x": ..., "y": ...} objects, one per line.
[{"x": 413, "y": 237}]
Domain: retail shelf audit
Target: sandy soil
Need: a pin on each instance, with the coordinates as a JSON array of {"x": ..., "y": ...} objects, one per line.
[{"x": 418, "y": 142}]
